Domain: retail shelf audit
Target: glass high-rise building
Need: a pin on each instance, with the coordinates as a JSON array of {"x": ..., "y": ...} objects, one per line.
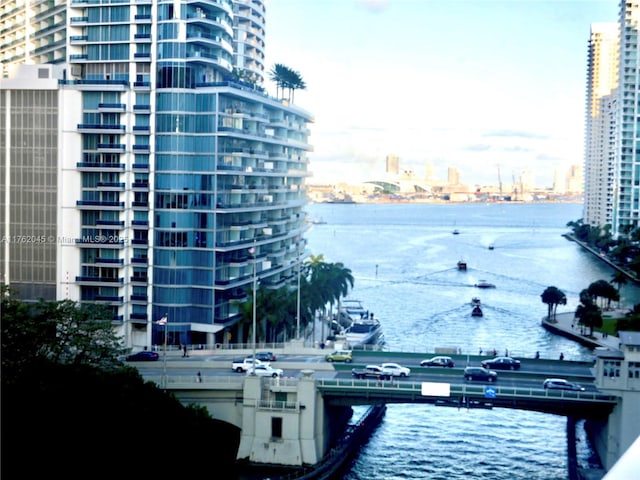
[
  {"x": 600, "y": 138},
  {"x": 627, "y": 211},
  {"x": 177, "y": 175}
]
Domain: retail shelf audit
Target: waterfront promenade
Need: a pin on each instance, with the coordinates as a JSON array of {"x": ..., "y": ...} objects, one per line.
[{"x": 565, "y": 324}]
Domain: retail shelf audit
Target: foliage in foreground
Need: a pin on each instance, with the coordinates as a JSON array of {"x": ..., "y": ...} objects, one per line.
[{"x": 71, "y": 416}]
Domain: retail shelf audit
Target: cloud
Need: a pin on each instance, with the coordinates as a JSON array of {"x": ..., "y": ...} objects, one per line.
[
  {"x": 515, "y": 133},
  {"x": 373, "y": 6}
]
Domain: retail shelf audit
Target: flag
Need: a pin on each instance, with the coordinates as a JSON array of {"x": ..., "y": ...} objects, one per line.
[{"x": 162, "y": 321}]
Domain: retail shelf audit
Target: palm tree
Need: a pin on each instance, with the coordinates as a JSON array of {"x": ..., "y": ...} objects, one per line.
[
  {"x": 286, "y": 78},
  {"x": 278, "y": 74},
  {"x": 588, "y": 313},
  {"x": 339, "y": 281},
  {"x": 553, "y": 297},
  {"x": 601, "y": 289}
]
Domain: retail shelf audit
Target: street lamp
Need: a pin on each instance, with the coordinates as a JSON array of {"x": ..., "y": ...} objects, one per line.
[
  {"x": 253, "y": 330},
  {"x": 298, "y": 296},
  {"x": 164, "y": 321}
]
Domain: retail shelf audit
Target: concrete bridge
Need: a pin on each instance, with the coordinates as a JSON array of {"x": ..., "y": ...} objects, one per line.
[{"x": 295, "y": 421}]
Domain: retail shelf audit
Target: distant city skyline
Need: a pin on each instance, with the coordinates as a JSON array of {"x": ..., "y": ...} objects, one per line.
[{"x": 464, "y": 84}]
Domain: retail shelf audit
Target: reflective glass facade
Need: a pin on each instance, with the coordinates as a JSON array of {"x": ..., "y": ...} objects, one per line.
[{"x": 174, "y": 163}]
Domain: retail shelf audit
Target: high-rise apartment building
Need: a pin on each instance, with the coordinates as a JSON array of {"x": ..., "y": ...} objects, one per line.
[
  {"x": 627, "y": 210},
  {"x": 177, "y": 178},
  {"x": 600, "y": 138}
]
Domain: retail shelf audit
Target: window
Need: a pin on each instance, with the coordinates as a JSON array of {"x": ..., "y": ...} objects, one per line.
[{"x": 276, "y": 427}]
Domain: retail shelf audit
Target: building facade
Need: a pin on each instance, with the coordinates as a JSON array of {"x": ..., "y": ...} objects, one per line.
[
  {"x": 181, "y": 182},
  {"x": 627, "y": 210},
  {"x": 600, "y": 137}
]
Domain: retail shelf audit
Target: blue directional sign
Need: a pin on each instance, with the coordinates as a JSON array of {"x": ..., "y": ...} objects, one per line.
[{"x": 490, "y": 392}]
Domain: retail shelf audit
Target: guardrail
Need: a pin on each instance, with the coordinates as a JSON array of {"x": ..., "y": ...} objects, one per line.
[{"x": 412, "y": 389}]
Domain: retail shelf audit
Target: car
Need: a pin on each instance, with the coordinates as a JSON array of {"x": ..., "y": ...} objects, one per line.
[
  {"x": 395, "y": 369},
  {"x": 264, "y": 356},
  {"x": 242, "y": 364},
  {"x": 143, "y": 356},
  {"x": 480, "y": 373},
  {"x": 561, "y": 384},
  {"x": 439, "y": 361},
  {"x": 501, "y": 363},
  {"x": 264, "y": 370},
  {"x": 340, "y": 356}
]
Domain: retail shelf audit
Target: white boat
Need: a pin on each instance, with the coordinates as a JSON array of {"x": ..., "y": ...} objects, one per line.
[
  {"x": 353, "y": 309},
  {"x": 366, "y": 331}
]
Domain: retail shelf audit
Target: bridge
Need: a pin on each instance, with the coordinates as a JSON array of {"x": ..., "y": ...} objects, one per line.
[{"x": 295, "y": 420}]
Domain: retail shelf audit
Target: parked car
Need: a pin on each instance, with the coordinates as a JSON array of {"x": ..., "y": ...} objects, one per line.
[
  {"x": 396, "y": 370},
  {"x": 501, "y": 363},
  {"x": 439, "y": 361},
  {"x": 264, "y": 370},
  {"x": 480, "y": 373},
  {"x": 143, "y": 356},
  {"x": 340, "y": 356},
  {"x": 264, "y": 356},
  {"x": 561, "y": 384}
]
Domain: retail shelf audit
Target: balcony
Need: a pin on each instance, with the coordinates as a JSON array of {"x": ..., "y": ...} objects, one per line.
[
  {"x": 100, "y": 167},
  {"x": 100, "y": 129},
  {"x": 111, "y": 147},
  {"x": 112, "y": 107},
  {"x": 97, "y": 281}
]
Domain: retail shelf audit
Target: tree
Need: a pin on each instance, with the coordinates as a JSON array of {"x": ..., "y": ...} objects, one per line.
[
  {"x": 62, "y": 332},
  {"x": 553, "y": 297},
  {"x": 603, "y": 291},
  {"x": 286, "y": 78},
  {"x": 619, "y": 278},
  {"x": 589, "y": 315}
]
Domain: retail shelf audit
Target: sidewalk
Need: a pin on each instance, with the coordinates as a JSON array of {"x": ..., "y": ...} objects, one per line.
[{"x": 565, "y": 325}]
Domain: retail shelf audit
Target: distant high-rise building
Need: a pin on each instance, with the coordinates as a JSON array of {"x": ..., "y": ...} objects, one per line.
[
  {"x": 173, "y": 179},
  {"x": 393, "y": 164},
  {"x": 575, "y": 180},
  {"x": 453, "y": 176},
  {"x": 600, "y": 137},
  {"x": 428, "y": 172}
]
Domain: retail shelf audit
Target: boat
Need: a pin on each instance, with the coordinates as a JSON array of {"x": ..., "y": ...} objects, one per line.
[
  {"x": 365, "y": 331},
  {"x": 475, "y": 301},
  {"x": 485, "y": 284},
  {"x": 456, "y": 231},
  {"x": 462, "y": 265},
  {"x": 353, "y": 309},
  {"x": 491, "y": 247},
  {"x": 477, "y": 311}
]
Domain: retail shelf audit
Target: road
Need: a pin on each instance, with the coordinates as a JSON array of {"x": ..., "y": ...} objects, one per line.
[{"x": 531, "y": 374}]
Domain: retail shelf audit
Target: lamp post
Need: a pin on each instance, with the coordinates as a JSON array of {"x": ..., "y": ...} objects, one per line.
[
  {"x": 164, "y": 321},
  {"x": 253, "y": 329},
  {"x": 298, "y": 298}
]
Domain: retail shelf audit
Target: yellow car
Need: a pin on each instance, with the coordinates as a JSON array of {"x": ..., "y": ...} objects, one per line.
[{"x": 340, "y": 356}]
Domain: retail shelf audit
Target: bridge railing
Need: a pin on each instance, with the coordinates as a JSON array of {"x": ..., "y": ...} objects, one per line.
[{"x": 415, "y": 388}]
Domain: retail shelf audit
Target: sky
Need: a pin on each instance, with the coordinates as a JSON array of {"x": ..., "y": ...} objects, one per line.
[{"x": 491, "y": 87}]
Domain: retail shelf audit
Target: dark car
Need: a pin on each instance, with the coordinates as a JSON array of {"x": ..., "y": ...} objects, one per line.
[
  {"x": 143, "y": 356},
  {"x": 561, "y": 384},
  {"x": 264, "y": 356},
  {"x": 480, "y": 373},
  {"x": 502, "y": 363},
  {"x": 439, "y": 361}
]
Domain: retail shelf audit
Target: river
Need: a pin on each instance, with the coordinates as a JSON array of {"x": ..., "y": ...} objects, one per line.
[{"x": 403, "y": 258}]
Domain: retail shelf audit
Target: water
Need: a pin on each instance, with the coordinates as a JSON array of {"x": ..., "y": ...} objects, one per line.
[{"x": 403, "y": 258}]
